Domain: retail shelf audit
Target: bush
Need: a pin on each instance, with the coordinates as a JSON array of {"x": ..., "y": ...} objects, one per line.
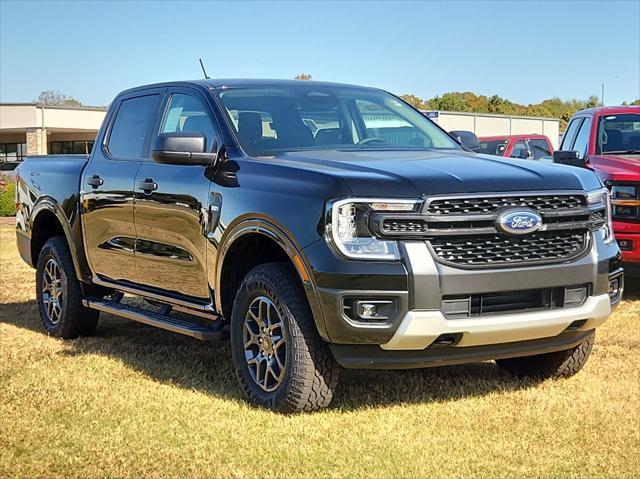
[{"x": 7, "y": 197}]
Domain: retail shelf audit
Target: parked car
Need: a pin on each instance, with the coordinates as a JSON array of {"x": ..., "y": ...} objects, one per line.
[
  {"x": 376, "y": 241},
  {"x": 607, "y": 140},
  {"x": 534, "y": 147}
]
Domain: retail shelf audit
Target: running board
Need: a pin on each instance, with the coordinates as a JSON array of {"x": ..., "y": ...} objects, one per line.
[{"x": 195, "y": 330}]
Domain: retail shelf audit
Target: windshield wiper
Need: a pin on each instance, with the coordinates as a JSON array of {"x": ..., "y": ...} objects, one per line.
[{"x": 622, "y": 152}]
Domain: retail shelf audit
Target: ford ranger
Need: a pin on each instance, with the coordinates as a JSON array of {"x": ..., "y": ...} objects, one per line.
[{"x": 317, "y": 226}]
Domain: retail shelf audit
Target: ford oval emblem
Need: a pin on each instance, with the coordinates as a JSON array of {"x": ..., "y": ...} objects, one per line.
[{"x": 518, "y": 221}]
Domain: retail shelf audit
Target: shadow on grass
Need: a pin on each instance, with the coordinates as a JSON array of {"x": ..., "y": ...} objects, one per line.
[{"x": 206, "y": 367}]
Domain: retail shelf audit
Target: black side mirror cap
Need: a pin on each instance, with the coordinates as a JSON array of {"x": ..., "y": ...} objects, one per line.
[
  {"x": 467, "y": 139},
  {"x": 182, "y": 148},
  {"x": 524, "y": 154},
  {"x": 571, "y": 158}
]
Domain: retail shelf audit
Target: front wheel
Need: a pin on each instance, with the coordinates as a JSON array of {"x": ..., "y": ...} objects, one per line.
[
  {"x": 559, "y": 364},
  {"x": 279, "y": 358}
]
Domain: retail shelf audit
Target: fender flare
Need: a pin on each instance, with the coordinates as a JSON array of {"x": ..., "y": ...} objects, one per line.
[
  {"x": 283, "y": 239},
  {"x": 47, "y": 203}
]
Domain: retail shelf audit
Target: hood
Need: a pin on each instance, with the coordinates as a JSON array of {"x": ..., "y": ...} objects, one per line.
[
  {"x": 616, "y": 167},
  {"x": 412, "y": 174}
]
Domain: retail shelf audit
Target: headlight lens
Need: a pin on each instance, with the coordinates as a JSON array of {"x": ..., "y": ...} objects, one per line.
[
  {"x": 625, "y": 201},
  {"x": 349, "y": 233},
  {"x": 602, "y": 197}
]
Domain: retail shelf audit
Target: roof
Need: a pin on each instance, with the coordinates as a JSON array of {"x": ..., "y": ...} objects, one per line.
[
  {"x": 58, "y": 107},
  {"x": 513, "y": 137},
  {"x": 242, "y": 82},
  {"x": 610, "y": 110}
]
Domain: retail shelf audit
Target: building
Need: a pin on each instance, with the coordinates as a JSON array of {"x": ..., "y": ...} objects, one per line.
[
  {"x": 485, "y": 124},
  {"x": 36, "y": 129}
]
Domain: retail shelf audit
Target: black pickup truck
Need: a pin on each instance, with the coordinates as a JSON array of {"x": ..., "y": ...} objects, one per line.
[{"x": 317, "y": 226}]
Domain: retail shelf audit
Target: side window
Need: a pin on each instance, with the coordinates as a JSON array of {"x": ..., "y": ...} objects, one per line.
[
  {"x": 518, "y": 147},
  {"x": 540, "y": 149},
  {"x": 131, "y": 126},
  {"x": 570, "y": 134},
  {"x": 187, "y": 114},
  {"x": 582, "y": 140}
]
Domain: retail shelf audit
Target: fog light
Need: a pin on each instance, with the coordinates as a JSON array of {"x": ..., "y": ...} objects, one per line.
[
  {"x": 616, "y": 286},
  {"x": 368, "y": 310},
  {"x": 625, "y": 245}
]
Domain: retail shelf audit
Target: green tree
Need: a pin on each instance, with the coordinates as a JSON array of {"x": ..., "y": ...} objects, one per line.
[
  {"x": 303, "y": 76},
  {"x": 414, "y": 101}
]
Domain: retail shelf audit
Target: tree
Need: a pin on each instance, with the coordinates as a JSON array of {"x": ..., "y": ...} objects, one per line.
[
  {"x": 448, "y": 102},
  {"x": 414, "y": 101},
  {"x": 54, "y": 97},
  {"x": 303, "y": 76}
]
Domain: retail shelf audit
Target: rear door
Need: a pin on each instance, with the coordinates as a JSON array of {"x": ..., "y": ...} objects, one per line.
[
  {"x": 107, "y": 186},
  {"x": 171, "y": 204}
]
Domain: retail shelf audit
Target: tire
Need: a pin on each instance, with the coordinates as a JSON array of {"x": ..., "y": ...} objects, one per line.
[
  {"x": 550, "y": 365},
  {"x": 299, "y": 374},
  {"x": 59, "y": 294}
]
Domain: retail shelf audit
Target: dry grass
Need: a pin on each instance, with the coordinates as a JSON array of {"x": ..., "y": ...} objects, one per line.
[{"x": 137, "y": 402}]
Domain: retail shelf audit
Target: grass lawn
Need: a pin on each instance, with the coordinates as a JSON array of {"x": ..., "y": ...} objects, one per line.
[{"x": 138, "y": 402}]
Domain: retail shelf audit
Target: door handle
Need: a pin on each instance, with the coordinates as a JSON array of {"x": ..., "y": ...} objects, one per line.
[
  {"x": 148, "y": 185},
  {"x": 95, "y": 181}
]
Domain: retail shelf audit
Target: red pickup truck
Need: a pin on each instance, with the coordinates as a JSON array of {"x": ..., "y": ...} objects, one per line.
[
  {"x": 532, "y": 146},
  {"x": 607, "y": 140}
]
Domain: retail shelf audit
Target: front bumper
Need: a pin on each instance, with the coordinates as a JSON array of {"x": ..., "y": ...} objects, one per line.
[
  {"x": 419, "y": 329},
  {"x": 419, "y": 284}
]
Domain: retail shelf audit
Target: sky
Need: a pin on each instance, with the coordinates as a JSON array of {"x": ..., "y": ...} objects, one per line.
[{"x": 523, "y": 51}]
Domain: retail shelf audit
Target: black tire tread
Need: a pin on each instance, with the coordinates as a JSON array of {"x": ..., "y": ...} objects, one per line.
[
  {"x": 77, "y": 320},
  {"x": 551, "y": 365},
  {"x": 314, "y": 372}
]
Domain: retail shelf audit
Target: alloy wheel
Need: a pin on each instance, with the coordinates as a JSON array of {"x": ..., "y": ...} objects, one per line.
[
  {"x": 52, "y": 291},
  {"x": 265, "y": 347}
]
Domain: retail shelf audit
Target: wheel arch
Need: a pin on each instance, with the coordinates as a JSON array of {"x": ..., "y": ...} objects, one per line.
[
  {"x": 261, "y": 233},
  {"x": 49, "y": 220}
]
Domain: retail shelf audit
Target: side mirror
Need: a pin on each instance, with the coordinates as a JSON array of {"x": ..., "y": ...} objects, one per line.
[
  {"x": 571, "y": 158},
  {"x": 467, "y": 138},
  {"x": 182, "y": 148}
]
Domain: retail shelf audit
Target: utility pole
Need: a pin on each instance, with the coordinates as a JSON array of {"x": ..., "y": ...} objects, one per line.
[{"x": 602, "y": 97}]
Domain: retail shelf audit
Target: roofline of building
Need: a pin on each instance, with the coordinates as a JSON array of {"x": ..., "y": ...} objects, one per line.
[
  {"x": 57, "y": 107},
  {"x": 493, "y": 115}
]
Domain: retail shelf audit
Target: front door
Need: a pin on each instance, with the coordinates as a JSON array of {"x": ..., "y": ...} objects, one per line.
[
  {"x": 107, "y": 187},
  {"x": 171, "y": 206}
]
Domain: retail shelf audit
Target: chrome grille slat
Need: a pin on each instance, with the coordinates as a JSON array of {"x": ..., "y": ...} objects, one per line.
[
  {"x": 461, "y": 231},
  {"x": 491, "y": 204}
]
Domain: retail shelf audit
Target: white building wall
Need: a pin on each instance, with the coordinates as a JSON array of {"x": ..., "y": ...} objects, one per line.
[{"x": 489, "y": 125}]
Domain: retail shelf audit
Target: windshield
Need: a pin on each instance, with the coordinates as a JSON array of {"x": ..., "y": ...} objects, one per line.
[
  {"x": 274, "y": 119},
  {"x": 619, "y": 134},
  {"x": 493, "y": 147}
]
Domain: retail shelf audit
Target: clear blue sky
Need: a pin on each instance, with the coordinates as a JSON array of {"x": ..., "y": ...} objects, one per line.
[{"x": 524, "y": 51}]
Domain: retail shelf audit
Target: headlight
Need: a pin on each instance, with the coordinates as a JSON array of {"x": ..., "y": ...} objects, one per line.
[
  {"x": 348, "y": 229},
  {"x": 602, "y": 198},
  {"x": 625, "y": 201}
]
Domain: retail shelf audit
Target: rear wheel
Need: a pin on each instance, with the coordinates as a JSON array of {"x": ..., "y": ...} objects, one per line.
[
  {"x": 280, "y": 360},
  {"x": 59, "y": 294},
  {"x": 559, "y": 364}
]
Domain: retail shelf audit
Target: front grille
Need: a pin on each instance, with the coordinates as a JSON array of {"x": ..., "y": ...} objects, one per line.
[
  {"x": 499, "y": 250},
  {"x": 483, "y": 304},
  {"x": 488, "y": 205}
]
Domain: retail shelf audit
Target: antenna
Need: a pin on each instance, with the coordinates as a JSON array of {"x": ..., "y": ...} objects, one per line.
[{"x": 203, "y": 70}]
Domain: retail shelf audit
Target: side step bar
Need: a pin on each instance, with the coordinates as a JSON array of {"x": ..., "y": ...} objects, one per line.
[{"x": 193, "y": 329}]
